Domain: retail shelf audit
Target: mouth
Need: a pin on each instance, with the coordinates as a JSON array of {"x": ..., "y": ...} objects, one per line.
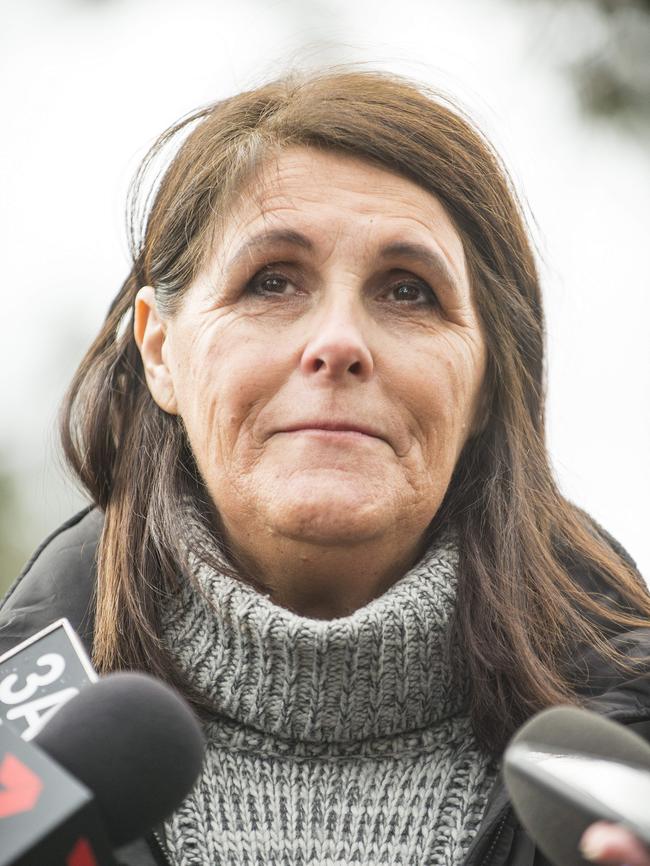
[{"x": 333, "y": 428}]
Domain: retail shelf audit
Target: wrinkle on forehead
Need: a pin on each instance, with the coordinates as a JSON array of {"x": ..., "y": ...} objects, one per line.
[{"x": 283, "y": 190}]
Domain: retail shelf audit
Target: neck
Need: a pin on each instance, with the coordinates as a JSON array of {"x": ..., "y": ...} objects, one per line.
[{"x": 324, "y": 581}]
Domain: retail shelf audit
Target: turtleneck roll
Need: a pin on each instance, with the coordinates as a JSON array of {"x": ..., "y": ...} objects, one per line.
[{"x": 333, "y": 741}]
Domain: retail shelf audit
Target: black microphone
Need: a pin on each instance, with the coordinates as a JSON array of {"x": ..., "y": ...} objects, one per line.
[
  {"x": 566, "y": 768},
  {"x": 135, "y": 744},
  {"x": 113, "y": 762}
]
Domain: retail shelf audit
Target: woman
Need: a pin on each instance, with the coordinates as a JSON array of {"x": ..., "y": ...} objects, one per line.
[{"x": 312, "y": 428}]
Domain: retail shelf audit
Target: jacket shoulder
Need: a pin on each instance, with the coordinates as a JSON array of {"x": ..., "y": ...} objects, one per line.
[{"x": 57, "y": 581}]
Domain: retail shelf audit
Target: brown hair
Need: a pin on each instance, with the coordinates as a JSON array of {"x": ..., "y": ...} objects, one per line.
[{"x": 521, "y": 611}]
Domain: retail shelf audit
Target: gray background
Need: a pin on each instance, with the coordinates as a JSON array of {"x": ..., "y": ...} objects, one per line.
[{"x": 562, "y": 89}]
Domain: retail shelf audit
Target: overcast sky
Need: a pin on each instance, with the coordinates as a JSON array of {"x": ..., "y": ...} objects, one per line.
[{"x": 87, "y": 86}]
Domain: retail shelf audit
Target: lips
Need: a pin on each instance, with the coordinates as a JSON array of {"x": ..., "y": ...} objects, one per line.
[{"x": 334, "y": 426}]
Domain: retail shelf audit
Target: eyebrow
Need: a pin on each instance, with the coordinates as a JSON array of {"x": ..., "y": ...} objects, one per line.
[
  {"x": 289, "y": 237},
  {"x": 414, "y": 252}
]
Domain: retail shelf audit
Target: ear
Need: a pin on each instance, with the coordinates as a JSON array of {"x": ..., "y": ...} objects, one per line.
[{"x": 150, "y": 334}]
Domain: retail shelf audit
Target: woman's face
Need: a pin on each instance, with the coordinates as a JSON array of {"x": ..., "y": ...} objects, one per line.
[{"x": 328, "y": 362}]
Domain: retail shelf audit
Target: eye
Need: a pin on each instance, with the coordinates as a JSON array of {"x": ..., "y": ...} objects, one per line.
[
  {"x": 412, "y": 291},
  {"x": 268, "y": 283}
]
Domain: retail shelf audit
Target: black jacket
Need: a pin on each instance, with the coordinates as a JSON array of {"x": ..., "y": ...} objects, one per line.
[{"x": 59, "y": 581}]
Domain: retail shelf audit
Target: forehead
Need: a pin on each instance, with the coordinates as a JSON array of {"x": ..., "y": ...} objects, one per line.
[{"x": 337, "y": 198}]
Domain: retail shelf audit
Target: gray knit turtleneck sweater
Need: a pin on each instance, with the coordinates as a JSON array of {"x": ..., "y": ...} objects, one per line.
[{"x": 341, "y": 741}]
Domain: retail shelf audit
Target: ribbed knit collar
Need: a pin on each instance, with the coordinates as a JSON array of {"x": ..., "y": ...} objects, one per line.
[{"x": 384, "y": 670}]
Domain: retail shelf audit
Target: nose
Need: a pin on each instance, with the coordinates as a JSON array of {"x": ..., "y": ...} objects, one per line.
[{"x": 337, "y": 347}]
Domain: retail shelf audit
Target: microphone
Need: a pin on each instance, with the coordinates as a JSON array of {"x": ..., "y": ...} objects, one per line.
[
  {"x": 135, "y": 744},
  {"x": 568, "y": 767},
  {"x": 113, "y": 761}
]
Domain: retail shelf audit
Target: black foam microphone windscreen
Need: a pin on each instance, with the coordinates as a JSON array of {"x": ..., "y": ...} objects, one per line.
[
  {"x": 568, "y": 767},
  {"x": 134, "y": 743}
]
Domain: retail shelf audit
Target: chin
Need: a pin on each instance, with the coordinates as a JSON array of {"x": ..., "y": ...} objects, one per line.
[{"x": 337, "y": 516}]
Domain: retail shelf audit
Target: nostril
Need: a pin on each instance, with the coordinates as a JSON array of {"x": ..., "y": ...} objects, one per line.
[
  {"x": 337, "y": 360},
  {"x": 355, "y": 367}
]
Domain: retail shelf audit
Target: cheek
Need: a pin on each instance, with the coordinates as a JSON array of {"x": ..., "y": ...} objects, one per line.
[
  {"x": 442, "y": 393},
  {"x": 225, "y": 379}
]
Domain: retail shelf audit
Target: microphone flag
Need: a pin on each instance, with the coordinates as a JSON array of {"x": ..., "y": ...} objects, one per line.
[
  {"x": 40, "y": 675},
  {"x": 47, "y": 818}
]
